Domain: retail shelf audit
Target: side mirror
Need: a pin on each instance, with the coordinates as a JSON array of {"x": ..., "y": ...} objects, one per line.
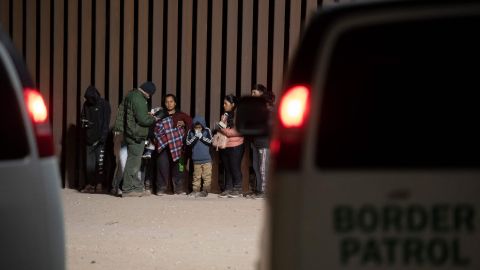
[{"x": 253, "y": 116}]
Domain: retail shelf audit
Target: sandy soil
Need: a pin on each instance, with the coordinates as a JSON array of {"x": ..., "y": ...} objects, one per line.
[{"x": 167, "y": 232}]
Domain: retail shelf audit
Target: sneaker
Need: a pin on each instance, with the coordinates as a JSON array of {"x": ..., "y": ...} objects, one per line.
[
  {"x": 224, "y": 194},
  {"x": 202, "y": 194},
  {"x": 193, "y": 194},
  {"x": 234, "y": 194},
  {"x": 259, "y": 195},
  {"x": 249, "y": 195},
  {"x": 133, "y": 194},
  {"x": 88, "y": 189},
  {"x": 160, "y": 192}
]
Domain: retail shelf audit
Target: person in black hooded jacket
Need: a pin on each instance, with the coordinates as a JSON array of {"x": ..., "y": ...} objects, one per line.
[
  {"x": 95, "y": 121},
  {"x": 260, "y": 148}
]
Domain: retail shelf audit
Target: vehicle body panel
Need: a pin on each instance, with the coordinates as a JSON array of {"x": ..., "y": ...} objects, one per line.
[
  {"x": 31, "y": 230},
  {"x": 303, "y": 230}
]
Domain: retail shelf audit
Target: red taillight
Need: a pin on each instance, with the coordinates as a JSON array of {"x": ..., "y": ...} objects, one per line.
[
  {"x": 38, "y": 113},
  {"x": 292, "y": 112},
  {"x": 36, "y": 106},
  {"x": 294, "y": 106}
]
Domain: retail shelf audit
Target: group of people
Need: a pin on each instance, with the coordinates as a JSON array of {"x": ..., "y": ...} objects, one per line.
[{"x": 155, "y": 145}]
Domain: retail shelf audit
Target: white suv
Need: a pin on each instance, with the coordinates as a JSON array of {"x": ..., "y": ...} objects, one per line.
[
  {"x": 31, "y": 225},
  {"x": 376, "y": 150}
]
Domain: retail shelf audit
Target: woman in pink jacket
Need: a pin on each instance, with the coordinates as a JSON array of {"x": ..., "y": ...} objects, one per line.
[{"x": 232, "y": 155}]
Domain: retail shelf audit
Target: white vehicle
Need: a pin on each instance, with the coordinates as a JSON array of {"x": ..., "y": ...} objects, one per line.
[
  {"x": 31, "y": 223},
  {"x": 376, "y": 150}
]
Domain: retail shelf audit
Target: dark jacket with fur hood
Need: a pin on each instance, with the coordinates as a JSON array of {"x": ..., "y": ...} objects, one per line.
[{"x": 95, "y": 117}]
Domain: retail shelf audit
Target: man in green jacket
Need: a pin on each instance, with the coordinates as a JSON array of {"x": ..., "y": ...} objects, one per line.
[{"x": 137, "y": 121}]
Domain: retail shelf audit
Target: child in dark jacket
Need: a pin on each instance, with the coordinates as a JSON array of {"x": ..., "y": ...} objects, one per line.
[{"x": 199, "y": 137}]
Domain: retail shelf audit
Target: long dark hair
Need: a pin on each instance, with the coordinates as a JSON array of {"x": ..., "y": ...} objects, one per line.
[
  {"x": 231, "y": 115},
  {"x": 169, "y": 95}
]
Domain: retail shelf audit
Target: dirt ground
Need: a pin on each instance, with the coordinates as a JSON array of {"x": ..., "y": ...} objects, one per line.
[{"x": 166, "y": 232}]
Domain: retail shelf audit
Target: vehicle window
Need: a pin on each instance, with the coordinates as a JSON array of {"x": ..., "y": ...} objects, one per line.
[
  {"x": 403, "y": 95},
  {"x": 13, "y": 140}
]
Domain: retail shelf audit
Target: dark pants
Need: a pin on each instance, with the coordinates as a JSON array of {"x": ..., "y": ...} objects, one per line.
[
  {"x": 232, "y": 162},
  {"x": 147, "y": 169},
  {"x": 95, "y": 161},
  {"x": 260, "y": 166},
  {"x": 167, "y": 170},
  {"x": 131, "y": 182}
]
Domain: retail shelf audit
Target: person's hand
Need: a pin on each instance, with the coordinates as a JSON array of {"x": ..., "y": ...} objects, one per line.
[
  {"x": 199, "y": 135},
  {"x": 221, "y": 125},
  {"x": 180, "y": 123}
]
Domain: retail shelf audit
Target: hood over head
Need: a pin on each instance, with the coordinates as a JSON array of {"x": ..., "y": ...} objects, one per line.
[
  {"x": 92, "y": 95},
  {"x": 200, "y": 120}
]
